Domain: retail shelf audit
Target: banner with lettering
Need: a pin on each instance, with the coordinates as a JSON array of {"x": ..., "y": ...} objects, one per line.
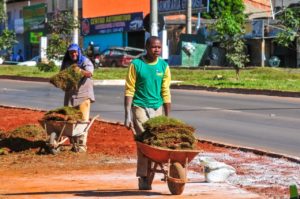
[
  {"x": 112, "y": 24},
  {"x": 179, "y": 6},
  {"x": 34, "y": 16}
]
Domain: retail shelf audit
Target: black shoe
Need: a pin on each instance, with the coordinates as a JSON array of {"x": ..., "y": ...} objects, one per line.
[{"x": 144, "y": 184}]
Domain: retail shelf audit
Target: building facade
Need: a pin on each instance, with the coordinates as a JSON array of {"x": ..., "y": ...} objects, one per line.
[{"x": 111, "y": 23}]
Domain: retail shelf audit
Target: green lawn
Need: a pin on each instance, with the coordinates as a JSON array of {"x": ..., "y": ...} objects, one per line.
[{"x": 257, "y": 78}]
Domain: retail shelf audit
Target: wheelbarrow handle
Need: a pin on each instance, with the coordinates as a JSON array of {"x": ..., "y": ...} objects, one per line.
[{"x": 91, "y": 122}]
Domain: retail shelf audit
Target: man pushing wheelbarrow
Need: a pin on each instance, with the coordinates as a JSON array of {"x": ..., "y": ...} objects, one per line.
[
  {"x": 147, "y": 93},
  {"x": 147, "y": 90}
]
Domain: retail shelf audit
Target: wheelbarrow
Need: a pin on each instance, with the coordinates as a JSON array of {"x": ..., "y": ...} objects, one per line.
[
  {"x": 173, "y": 164},
  {"x": 58, "y": 132}
]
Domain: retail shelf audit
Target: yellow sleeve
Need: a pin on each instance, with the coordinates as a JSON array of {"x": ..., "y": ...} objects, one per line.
[
  {"x": 166, "y": 94},
  {"x": 130, "y": 81}
]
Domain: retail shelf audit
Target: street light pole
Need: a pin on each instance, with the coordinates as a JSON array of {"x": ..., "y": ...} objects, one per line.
[
  {"x": 75, "y": 17},
  {"x": 154, "y": 18},
  {"x": 189, "y": 17}
]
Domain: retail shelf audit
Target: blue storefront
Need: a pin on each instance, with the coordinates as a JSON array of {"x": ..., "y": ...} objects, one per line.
[{"x": 117, "y": 30}]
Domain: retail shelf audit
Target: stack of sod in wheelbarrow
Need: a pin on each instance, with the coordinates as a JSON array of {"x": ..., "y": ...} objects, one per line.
[
  {"x": 65, "y": 113},
  {"x": 67, "y": 79},
  {"x": 169, "y": 133}
]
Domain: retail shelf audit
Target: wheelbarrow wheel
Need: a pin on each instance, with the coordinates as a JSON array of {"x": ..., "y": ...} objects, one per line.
[
  {"x": 177, "y": 178},
  {"x": 53, "y": 143}
]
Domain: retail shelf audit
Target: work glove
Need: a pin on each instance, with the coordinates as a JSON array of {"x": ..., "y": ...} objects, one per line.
[{"x": 128, "y": 119}]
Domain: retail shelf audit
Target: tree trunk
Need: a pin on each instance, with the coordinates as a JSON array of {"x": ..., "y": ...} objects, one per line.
[{"x": 237, "y": 73}]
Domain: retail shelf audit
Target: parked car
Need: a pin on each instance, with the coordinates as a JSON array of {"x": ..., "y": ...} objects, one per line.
[
  {"x": 35, "y": 60},
  {"x": 119, "y": 56}
]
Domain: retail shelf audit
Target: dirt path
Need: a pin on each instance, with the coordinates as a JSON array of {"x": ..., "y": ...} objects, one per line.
[
  {"x": 108, "y": 169},
  {"x": 110, "y": 183}
]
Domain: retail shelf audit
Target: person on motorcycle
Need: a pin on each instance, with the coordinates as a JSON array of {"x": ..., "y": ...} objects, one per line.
[
  {"x": 93, "y": 54},
  {"x": 90, "y": 52}
]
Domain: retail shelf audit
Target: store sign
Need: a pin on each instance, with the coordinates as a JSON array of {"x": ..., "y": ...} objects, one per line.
[
  {"x": 112, "y": 24},
  {"x": 34, "y": 37},
  {"x": 34, "y": 16},
  {"x": 176, "y": 6}
]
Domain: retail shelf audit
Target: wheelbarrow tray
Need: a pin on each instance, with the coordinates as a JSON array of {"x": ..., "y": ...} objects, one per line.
[
  {"x": 70, "y": 129},
  {"x": 162, "y": 155}
]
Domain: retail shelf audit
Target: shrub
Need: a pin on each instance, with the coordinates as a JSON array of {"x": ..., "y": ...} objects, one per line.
[{"x": 49, "y": 67}]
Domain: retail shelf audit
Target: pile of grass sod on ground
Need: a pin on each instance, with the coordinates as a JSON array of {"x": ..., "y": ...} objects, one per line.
[
  {"x": 64, "y": 114},
  {"x": 169, "y": 133},
  {"x": 22, "y": 138},
  {"x": 67, "y": 79}
]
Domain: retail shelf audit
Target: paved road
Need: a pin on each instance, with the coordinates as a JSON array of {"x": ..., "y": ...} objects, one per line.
[{"x": 264, "y": 122}]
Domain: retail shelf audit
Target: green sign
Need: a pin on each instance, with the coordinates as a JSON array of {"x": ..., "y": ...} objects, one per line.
[
  {"x": 34, "y": 37},
  {"x": 34, "y": 16}
]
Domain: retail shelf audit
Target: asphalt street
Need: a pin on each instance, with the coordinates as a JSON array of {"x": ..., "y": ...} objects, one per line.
[{"x": 263, "y": 122}]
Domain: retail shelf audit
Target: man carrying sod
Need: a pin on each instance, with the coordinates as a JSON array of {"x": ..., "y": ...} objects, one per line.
[
  {"x": 84, "y": 95},
  {"x": 147, "y": 89}
]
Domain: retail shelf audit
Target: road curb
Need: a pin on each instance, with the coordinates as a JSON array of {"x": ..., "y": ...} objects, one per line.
[
  {"x": 238, "y": 90},
  {"x": 174, "y": 85}
]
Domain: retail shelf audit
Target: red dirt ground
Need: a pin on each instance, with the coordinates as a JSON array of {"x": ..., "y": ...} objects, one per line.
[{"x": 108, "y": 145}]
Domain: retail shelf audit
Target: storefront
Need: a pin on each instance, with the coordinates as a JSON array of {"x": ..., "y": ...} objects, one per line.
[
  {"x": 108, "y": 24},
  {"x": 115, "y": 30}
]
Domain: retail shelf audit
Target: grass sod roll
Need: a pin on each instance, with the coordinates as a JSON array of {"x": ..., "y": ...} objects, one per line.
[
  {"x": 168, "y": 133},
  {"x": 64, "y": 114},
  {"x": 67, "y": 79}
]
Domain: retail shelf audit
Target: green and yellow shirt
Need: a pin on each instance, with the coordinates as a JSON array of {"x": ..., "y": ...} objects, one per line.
[{"x": 148, "y": 83}]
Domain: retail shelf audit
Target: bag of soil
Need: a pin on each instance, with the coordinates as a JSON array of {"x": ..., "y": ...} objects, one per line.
[
  {"x": 67, "y": 79},
  {"x": 169, "y": 133}
]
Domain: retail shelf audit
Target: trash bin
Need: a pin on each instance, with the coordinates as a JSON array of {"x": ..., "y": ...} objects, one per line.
[{"x": 274, "y": 61}]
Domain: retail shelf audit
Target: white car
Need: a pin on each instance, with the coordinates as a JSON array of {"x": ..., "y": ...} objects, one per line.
[
  {"x": 32, "y": 62},
  {"x": 35, "y": 60},
  {"x": 1, "y": 60}
]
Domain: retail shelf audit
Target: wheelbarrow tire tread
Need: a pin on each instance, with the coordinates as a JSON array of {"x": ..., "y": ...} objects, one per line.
[{"x": 178, "y": 172}]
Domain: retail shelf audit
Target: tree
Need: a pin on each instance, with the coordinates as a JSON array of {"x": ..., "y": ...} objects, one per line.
[
  {"x": 61, "y": 26},
  {"x": 7, "y": 37},
  {"x": 229, "y": 27},
  {"x": 290, "y": 23},
  {"x": 218, "y": 7},
  {"x": 7, "y": 40}
]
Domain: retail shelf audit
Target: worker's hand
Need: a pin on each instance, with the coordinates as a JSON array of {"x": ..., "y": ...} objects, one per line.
[
  {"x": 76, "y": 68},
  {"x": 128, "y": 119}
]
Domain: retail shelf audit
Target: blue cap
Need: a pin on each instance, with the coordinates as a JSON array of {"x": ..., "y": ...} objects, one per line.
[{"x": 73, "y": 47}]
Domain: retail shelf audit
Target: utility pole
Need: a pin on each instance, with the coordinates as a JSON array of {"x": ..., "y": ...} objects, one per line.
[
  {"x": 75, "y": 17},
  {"x": 189, "y": 17},
  {"x": 263, "y": 44},
  {"x": 5, "y": 15},
  {"x": 154, "y": 18}
]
